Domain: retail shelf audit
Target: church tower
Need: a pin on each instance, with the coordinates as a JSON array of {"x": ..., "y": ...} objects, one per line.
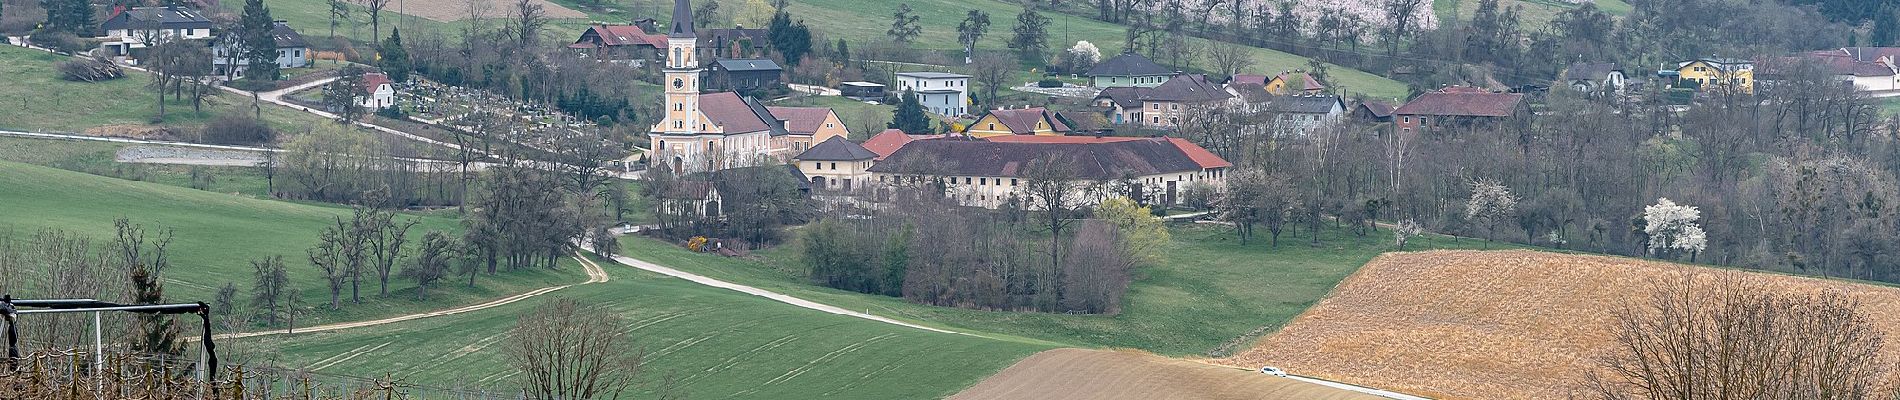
[
  {"x": 682, "y": 74},
  {"x": 675, "y": 141}
]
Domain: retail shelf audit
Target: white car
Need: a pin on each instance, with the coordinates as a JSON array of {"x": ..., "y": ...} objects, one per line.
[{"x": 1273, "y": 371}]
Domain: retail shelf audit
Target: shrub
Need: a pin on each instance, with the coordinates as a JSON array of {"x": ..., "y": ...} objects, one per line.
[
  {"x": 61, "y": 41},
  {"x": 235, "y": 129},
  {"x": 1049, "y": 83},
  {"x": 394, "y": 113}
]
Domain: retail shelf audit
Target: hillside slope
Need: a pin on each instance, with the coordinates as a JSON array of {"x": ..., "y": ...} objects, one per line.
[
  {"x": 1127, "y": 375},
  {"x": 1492, "y": 325},
  {"x": 216, "y": 236}
]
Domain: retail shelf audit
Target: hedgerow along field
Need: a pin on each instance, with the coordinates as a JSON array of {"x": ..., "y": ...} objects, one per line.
[
  {"x": 714, "y": 343},
  {"x": 217, "y": 235},
  {"x": 36, "y": 99},
  {"x": 1211, "y": 295}
]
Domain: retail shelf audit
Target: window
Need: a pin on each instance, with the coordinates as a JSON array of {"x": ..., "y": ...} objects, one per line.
[
  {"x": 679, "y": 125},
  {"x": 1408, "y": 119},
  {"x": 1174, "y": 106},
  {"x": 983, "y": 182},
  {"x": 679, "y": 106},
  {"x": 1012, "y": 181},
  {"x": 992, "y": 126},
  {"x": 834, "y": 166},
  {"x": 966, "y": 180},
  {"x": 1155, "y": 106},
  {"x": 1157, "y": 120}
]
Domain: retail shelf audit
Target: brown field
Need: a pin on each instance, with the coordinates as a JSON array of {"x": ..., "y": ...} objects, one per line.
[
  {"x": 1494, "y": 325},
  {"x": 1112, "y": 375},
  {"x": 457, "y": 10}
]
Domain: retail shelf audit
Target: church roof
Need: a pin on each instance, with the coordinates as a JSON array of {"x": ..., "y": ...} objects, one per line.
[{"x": 682, "y": 19}]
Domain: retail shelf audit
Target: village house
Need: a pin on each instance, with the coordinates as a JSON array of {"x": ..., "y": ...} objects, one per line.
[
  {"x": 1161, "y": 106},
  {"x": 625, "y": 44},
  {"x": 1021, "y": 121},
  {"x": 1127, "y": 70},
  {"x": 1295, "y": 83},
  {"x": 990, "y": 173},
  {"x": 744, "y": 74},
  {"x": 1458, "y": 107},
  {"x": 1865, "y": 69},
  {"x": 693, "y": 197},
  {"x": 127, "y": 30},
  {"x": 836, "y": 165},
  {"x": 942, "y": 93},
  {"x": 1373, "y": 111},
  {"x": 378, "y": 92},
  {"x": 1301, "y": 115},
  {"x": 1713, "y": 74},
  {"x": 805, "y": 126},
  {"x": 227, "y": 58},
  {"x": 1594, "y": 78}
]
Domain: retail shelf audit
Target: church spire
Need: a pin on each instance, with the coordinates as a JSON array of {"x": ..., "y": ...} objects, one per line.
[{"x": 682, "y": 19}]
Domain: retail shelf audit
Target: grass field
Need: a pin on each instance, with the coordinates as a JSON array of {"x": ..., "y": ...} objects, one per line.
[
  {"x": 1535, "y": 14},
  {"x": 35, "y": 98},
  {"x": 1496, "y": 325},
  {"x": 714, "y": 342},
  {"x": 217, "y": 235},
  {"x": 1211, "y": 290},
  {"x": 865, "y": 21},
  {"x": 1127, "y": 375}
]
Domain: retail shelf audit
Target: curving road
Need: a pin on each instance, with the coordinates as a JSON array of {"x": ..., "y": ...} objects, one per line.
[{"x": 595, "y": 274}]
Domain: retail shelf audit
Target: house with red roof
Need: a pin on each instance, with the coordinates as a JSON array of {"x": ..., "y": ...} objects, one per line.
[
  {"x": 376, "y": 91},
  {"x": 1458, "y": 106},
  {"x": 1020, "y": 121},
  {"x": 991, "y": 172},
  {"x": 805, "y": 126},
  {"x": 628, "y": 44}
]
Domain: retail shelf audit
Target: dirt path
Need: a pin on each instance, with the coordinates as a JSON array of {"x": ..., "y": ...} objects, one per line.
[
  {"x": 594, "y": 275},
  {"x": 1109, "y": 374},
  {"x": 703, "y": 280}
]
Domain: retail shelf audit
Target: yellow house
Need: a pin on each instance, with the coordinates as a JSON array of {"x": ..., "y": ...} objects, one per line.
[
  {"x": 837, "y": 165},
  {"x": 1717, "y": 74},
  {"x": 1293, "y": 83},
  {"x": 1022, "y": 121},
  {"x": 806, "y": 126}
]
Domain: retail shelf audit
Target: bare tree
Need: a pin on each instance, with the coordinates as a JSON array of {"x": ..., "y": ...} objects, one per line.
[
  {"x": 1230, "y": 59},
  {"x": 992, "y": 71},
  {"x": 271, "y": 287},
  {"x": 1054, "y": 188},
  {"x": 374, "y": 8},
  {"x": 433, "y": 259},
  {"x": 569, "y": 351},
  {"x": 1727, "y": 337}
]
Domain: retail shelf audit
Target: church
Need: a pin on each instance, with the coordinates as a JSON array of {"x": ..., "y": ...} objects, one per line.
[{"x": 724, "y": 130}]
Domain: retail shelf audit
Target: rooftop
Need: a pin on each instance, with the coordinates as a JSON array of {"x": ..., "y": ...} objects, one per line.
[{"x": 932, "y": 75}]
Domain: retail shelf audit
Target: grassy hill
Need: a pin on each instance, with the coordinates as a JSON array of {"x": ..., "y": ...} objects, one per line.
[
  {"x": 1210, "y": 294},
  {"x": 35, "y": 98},
  {"x": 1536, "y": 14},
  {"x": 217, "y": 235},
  {"x": 715, "y": 343}
]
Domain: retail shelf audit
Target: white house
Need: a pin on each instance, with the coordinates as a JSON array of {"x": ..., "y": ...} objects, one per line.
[
  {"x": 1300, "y": 115},
  {"x": 228, "y": 59},
  {"x": 942, "y": 93},
  {"x": 1594, "y": 78},
  {"x": 378, "y": 92},
  {"x": 129, "y": 29}
]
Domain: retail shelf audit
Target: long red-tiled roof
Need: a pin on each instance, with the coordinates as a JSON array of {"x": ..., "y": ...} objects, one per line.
[
  {"x": 1248, "y": 78},
  {"x": 1200, "y": 155},
  {"x": 1106, "y": 160},
  {"x": 373, "y": 81},
  {"x": 627, "y": 35},
  {"x": 1462, "y": 102},
  {"x": 801, "y": 120},
  {"x": 887, "y": 142}
]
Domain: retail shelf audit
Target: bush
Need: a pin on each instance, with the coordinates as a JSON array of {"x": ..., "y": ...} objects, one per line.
[
  {"x": 392, "y": 112},
  {"x": 237, "y": 130},
  {"x": 89, "y": 70},
  {"x": 61, "y": 41},
  {"x": 1049, "y": 83}
]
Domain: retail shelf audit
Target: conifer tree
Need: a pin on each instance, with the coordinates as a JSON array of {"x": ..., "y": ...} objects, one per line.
[
  {"x": 257, "y": 45},
  {"x": 909, "y": 115},
  {"x": 395, "y": 60}
]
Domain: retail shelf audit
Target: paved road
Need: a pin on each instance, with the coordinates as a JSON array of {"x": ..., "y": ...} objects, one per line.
[{"x": 595, "y": 274}]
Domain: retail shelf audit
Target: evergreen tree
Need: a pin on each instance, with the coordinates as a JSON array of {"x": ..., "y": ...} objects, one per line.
[
  {"x": 256, "y": 45},
  {"x": 844, "y": 52},
  {"x": 1032, "y": 35},
  {"x": 909, "y": 115},
  {"x": 395, "y": 59},
  {"x": 791, "y": 39},
  {"x": 1886, "y": 30},
  {"x": 70, "y": 16}
]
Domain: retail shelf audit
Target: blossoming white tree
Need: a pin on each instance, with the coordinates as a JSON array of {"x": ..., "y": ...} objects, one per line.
[
  {"x": 1082, "y": 56},
  {"x": 1674, "y": 228},
  {"x": 1491, "y": 204},
  {"x": 1405, "y": 231}
]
